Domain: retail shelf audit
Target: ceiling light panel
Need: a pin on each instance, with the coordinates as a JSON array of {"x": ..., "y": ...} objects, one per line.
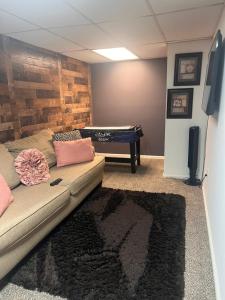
[
  {"x": 116, "y": 54},
  {"x": 87, "y": 56}
]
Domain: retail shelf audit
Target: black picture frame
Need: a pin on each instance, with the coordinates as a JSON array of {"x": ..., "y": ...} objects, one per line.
[
  {"x": 179, "y": 103},
  {"x": 187, "y": 69}
]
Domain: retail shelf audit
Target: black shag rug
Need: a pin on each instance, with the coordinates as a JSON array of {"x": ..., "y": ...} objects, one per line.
[{"x": 117, "y": 245}]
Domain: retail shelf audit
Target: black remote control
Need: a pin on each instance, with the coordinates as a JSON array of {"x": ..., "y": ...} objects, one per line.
[{"x": 55, "y": 182}]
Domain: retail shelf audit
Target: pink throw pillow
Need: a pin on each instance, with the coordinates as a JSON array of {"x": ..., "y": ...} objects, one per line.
[
  {"x": 73, "y": 152},
  {"x": 5, "y": 195},
  {"x": 32, "y": 167}
]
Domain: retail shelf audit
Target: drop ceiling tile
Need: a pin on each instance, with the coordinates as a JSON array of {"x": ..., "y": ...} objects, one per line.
[
  {"x": 9, "y": 23},
  {"x": 45, "y": 13},
  {"x": 110, "y": 10},
  {"x": 89, "y": 36},
  {"x": 190, "y": 24},
  {"x": 45, "y": 39},
  {"x": 162, "y": 6},
  {"x": 141, "y": 30},
  {"x": 150, "y": 50},
  {"x": 87, "y": 56}
]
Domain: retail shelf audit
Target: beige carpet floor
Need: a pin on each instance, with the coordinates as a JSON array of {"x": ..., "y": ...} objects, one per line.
[{"x": 199, "y": 283}]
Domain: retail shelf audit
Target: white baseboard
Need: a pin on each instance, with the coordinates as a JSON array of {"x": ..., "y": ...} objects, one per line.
[
  {"x": 213, "y": 257},
  {"x": 128, "y": 155},
  {"x": 175, "y": 176},
  {"x": 153, "y": 156}
]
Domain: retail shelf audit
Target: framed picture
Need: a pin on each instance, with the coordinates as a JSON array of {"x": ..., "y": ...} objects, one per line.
[
  {"x": 188, "y": 68},
  {"x": 179, "y": 103}
]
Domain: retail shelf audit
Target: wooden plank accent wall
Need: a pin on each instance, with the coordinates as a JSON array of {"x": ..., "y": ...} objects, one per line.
[{"x": 41, "y": 89}]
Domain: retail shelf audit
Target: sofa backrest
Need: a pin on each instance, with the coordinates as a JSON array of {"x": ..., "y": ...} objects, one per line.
[{"x": 7, "y": 169}]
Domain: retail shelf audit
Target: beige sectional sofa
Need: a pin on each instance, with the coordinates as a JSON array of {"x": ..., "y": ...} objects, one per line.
[{"x": 37, "y": 209}]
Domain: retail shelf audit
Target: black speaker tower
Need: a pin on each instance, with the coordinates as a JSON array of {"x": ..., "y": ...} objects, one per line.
[{"x": 193, "y": 156}]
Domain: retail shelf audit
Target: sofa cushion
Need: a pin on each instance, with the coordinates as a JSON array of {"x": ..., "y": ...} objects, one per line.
[
  {"x": 7, "y": 168},
  {"x": 78, "y": 176},
  {"x": 41, "y": 141},
  {"x": 31, "y": 207}
]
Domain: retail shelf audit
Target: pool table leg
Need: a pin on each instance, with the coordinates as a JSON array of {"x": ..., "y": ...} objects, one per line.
[
  {"x": 138, "y": 149},
  {"x": 132, "y": 157}
]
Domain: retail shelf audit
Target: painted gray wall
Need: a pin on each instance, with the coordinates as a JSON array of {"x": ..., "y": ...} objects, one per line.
[{"x": 127, "y": 93}]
